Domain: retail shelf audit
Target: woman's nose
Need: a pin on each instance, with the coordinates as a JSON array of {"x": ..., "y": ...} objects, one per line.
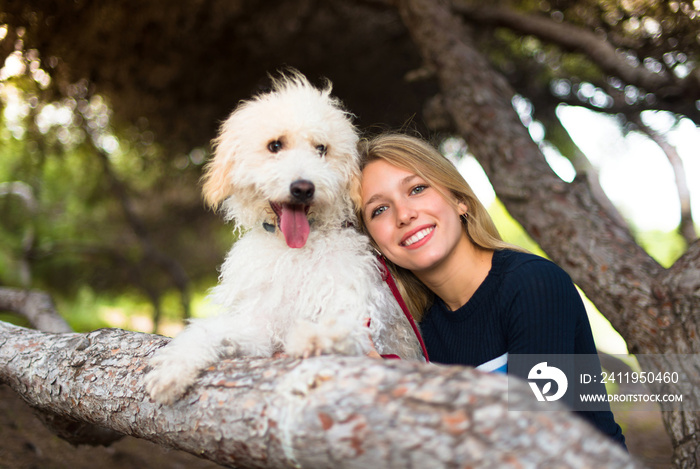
[{"x": 405, "y": 214}]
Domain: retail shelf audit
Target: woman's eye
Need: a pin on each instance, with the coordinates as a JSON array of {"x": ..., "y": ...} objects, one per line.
[
  {"x": 274, "y": 146},
  {"x": 418, "y": 189},
  {"x": 378, "y": 211},
  {"x": 322, "y": 150}
]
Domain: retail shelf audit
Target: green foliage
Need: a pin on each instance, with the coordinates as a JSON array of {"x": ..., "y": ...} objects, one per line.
[
  {"x": 664, "y": 247},
  {"x": 89, "y": 310},
  {"x": 101, "y": 202},
  {"x": 14, "y": 319},
  {"x": 80, "y": 310}
]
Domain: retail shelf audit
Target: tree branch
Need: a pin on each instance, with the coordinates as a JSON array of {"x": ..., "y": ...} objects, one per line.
[
  {"x": 321, "y": 412},
  {"x": 36, "y": 306},
  {"x": 687, "y": 225},
  {"x": 683, "y": 275},
  {"x": 559, "y": 136},
  {"x": 577, "y": 39}
]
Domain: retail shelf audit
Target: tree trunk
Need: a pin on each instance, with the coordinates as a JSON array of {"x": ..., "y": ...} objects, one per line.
[
  {"x": 322, "y": 412},
  {"x": 655, "y": 310}
]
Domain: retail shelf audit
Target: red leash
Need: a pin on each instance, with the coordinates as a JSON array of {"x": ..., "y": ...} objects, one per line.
[{"x": 386, "y": 275}]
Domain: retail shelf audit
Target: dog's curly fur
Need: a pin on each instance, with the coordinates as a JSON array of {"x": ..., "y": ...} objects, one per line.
[{"x": 298, "y": 287}]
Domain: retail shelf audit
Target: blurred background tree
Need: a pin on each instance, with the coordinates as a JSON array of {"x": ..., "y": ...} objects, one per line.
[{"x": 109, "y": 108}]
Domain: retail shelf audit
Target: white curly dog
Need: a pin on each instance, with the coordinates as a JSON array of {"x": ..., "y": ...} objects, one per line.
[{"x": 300, "y": 280}]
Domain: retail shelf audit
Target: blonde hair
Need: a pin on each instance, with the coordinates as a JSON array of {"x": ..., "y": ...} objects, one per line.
[{"x": 421, "y": 158}]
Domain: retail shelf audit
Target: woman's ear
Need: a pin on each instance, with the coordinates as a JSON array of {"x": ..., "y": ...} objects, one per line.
[{"x": 462, "y": 208}]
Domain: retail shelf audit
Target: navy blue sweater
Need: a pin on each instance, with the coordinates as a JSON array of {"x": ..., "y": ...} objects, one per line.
[{"x": 526, "y": 305}]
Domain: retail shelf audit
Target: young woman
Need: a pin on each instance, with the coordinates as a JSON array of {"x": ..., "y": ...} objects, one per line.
[{"x": 476, "y": 298}]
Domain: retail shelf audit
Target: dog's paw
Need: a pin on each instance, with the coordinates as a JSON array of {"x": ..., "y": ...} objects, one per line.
[
  {"x": 331, "y": 337},
  {"x": 167, "y": 382},
  {"x": 309, "y": 343}
]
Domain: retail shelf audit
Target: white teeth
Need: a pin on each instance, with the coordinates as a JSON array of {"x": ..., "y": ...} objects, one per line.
[{"x": 418, "y": 236}]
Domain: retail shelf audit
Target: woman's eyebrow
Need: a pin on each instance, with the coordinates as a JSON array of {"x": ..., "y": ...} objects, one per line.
[
  {"x": 405, "y": 181},
  {"x": 408, "y": 179},
  {"x": 372, "y": 199}
]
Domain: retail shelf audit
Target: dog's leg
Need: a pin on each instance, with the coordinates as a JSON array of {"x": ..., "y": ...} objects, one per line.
[
  {"x": 202, "y": 343},
  {"x": 331, "y": 335}
]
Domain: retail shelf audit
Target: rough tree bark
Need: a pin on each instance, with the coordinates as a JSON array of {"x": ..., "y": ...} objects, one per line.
[
  {"x": 655, "y": 309},
  {"x": 322, "y": 412}
]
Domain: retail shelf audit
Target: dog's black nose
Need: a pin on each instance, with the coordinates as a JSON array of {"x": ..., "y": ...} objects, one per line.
[{"x": 302, "y": 191}]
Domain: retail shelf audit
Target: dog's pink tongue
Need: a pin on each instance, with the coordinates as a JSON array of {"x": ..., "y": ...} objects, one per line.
[{"x": 294, "y": 225}]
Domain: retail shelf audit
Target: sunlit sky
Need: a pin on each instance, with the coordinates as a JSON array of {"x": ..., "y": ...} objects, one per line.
[{"x": 634, "y": 172}]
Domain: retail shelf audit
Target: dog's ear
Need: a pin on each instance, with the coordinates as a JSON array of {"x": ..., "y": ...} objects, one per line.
[{"x": 216, "y": 182}]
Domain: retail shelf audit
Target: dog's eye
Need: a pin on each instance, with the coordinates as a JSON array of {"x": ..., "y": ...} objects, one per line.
[
  {"x": 274, "y": 146},
  {"x": 322, "y": 150}
]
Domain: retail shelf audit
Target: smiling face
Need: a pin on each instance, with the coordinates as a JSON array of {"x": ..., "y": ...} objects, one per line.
[{"x": 409, "y": 219}]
